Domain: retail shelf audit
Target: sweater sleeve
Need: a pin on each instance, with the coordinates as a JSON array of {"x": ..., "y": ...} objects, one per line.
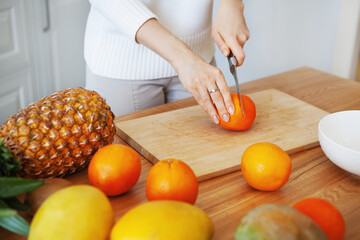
[{"x": 128, "y": 15}]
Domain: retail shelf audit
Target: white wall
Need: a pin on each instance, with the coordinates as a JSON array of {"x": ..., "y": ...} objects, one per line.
[{"x": 284, "y": 35}]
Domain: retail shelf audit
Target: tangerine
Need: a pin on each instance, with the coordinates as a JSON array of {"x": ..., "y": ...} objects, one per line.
[
  {"x": 237, "y": 121},
  {"x": 114, "y": 169},
  {"x": 265, "y": 166},
  {"x": 172, "y": 179},
  {"x": 325, "y": 214}
]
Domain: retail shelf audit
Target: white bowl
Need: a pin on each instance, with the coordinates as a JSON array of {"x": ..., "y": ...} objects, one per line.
[{"x": 339, "y": 137}]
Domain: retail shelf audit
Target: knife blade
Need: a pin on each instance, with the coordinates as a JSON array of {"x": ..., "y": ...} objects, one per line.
[{"x": 232, "y": 64}]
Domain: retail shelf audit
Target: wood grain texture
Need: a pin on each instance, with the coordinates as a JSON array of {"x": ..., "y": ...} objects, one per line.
[
  {"x": 227, "y": 198},
  {"x": 188, "y": 134}
]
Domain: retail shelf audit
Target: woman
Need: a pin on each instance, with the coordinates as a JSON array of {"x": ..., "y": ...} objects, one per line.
[{"x": 142, "y": 53}]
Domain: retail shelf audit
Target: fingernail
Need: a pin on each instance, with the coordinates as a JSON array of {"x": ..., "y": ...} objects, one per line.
[
  {"x": 225, "y": 117},
  {"x": 215, "y": 119},
  {"x": 231, "y": 110}
]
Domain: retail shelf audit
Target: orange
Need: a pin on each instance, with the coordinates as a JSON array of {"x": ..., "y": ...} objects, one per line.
[
  {"x": 237, "y": 121},
  {"x": 326, "y": 215},
  {"x": 171, "y": 179},
  {"x": 114, "y": 169},
  {"x": 265, "y": 166}
]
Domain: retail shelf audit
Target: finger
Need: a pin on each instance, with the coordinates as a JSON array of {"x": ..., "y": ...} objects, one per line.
[
  {"x": 214, "y": 117},
  {"x": 239, "y": 54},
  {"x": 221, "y": 43},
  {"x": 226, "y": 95},
  {"x": 222, "y": 99},
  {"x": 220, "y": 106},
  {"x": 237, "y": 49},
  {"x": 208, "y": 104},
  {"x": 243, "y": 38}
]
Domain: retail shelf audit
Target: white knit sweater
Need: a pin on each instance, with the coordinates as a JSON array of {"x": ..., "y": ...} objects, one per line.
[{"x": 110, "y": 46}]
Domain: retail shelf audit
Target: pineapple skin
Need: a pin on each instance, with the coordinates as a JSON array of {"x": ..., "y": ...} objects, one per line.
[{"x": 60, "y": 133}]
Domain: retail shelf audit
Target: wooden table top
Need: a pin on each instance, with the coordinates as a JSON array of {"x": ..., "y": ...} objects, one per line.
[{"x": 227, "y": 198}]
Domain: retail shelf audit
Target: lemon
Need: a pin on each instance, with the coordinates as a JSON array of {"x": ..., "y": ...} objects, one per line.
[
  {"x": 80, "y": 212},
  {"x": 164, "y": 220}
]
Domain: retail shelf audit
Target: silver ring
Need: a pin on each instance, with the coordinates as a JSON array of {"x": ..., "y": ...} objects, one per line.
[{"x": 214, "y": 90}]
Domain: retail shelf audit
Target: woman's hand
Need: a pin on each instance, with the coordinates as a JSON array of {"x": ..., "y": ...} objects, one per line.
[
  {"x": 197, "y": 76},
  {"x": 229, "y": 30}
]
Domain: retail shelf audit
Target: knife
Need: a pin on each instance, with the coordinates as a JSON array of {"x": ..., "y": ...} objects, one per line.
[{"x": 232, "y": 64}]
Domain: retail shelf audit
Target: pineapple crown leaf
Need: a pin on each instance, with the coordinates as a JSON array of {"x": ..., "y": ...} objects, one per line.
[{"x": 9, "y": 165}]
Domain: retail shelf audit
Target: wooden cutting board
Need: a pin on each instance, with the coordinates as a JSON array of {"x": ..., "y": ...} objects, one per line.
[{"x": 188, "y": 134}]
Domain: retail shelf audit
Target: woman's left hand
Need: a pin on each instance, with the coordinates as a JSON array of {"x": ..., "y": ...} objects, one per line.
[{"x": 229, "y": 30}]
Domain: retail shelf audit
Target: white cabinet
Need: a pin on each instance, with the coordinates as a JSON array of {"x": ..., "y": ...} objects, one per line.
[
  {"x": 66, "y": 38},
  {"x": 34, "y": 62},
  {"x": 15, "y": 65}
]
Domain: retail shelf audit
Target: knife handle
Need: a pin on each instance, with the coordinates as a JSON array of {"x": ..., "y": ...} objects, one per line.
[
  {"x": 230, "y": 55},
  {"x": 232, "y": 61}
]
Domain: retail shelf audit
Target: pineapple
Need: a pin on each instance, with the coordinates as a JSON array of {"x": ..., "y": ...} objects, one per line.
[{"x": 57, "y": 135}]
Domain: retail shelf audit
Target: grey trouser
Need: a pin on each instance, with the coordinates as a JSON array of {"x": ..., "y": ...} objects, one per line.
[{"x": 127, "y": 96}]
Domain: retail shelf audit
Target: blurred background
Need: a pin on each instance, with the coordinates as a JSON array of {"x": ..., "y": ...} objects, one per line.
[{"x": 41, "y": 44}]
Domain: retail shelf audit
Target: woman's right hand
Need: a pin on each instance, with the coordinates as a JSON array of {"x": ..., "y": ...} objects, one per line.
[{"x": 199, "y": 77}]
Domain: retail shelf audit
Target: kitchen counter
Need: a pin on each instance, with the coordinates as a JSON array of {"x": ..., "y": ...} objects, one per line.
[{"x": 227, "y": 198}]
